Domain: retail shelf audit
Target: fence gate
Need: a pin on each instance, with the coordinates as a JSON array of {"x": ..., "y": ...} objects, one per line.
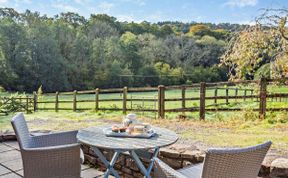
[{"x": 16, "y": 104}]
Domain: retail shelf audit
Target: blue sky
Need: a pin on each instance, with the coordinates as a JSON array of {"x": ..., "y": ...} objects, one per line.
[{"x": 215, "y": 11}]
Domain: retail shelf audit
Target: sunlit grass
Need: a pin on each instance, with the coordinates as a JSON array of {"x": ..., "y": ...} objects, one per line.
[{"x": 220, "y": 129}]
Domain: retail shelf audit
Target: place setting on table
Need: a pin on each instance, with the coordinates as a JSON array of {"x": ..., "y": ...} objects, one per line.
[{"x": 132, "y": 137}]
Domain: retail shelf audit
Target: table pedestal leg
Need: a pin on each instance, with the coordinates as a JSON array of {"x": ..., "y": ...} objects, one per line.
[
  {"x": 108, "y": 165},
  {"x": 145, "y": 172}
]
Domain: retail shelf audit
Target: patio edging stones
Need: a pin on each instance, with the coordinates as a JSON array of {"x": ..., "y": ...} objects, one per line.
[{"x": 7, "y": 136}]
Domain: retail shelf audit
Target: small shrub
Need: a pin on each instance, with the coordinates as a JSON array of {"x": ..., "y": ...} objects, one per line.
[
  {"x": 245, "y": 125},
  {"x": 272, "y": 120},
  {"x": 114, "y": 106},
  {"x": 282, "y": 118},
  {"x": 10, "y": 104},
  {"x": 219, "y": 116},
  {"x": 2, "y": 89},
  {"x": 40, "y": 91},
  {"x": 278, "y": 118},
  {"x": 250, "y": 115}
]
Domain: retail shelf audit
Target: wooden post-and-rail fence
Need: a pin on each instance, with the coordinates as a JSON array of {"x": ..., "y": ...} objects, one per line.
[{"x": 229, "y": 95}]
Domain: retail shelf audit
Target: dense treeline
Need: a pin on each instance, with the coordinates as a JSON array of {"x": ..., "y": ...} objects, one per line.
[{"x": 69, "y": 52}]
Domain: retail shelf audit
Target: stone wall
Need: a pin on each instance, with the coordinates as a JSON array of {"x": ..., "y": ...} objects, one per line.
[
  {"x": 128, "y": 168},
  {"x": 179, "y": 156}
]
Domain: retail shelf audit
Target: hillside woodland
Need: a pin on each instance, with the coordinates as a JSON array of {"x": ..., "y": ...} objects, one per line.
[{"x": 69, "y": 51}]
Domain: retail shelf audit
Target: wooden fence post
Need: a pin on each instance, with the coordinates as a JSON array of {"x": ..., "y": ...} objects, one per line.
[
  {"x": 57, "y": 101},
  {"x": 245, "y": 94},
  {"x": 215, "y": 95},
  {"x": 202, "y": 100},
  {"x": 125, "y": 90},
  {"x": 35, "y": 101},
  {"x": 227, "y": 95},
  {"x": 161, "y": 101},
  {"x": 97, "y": 99},
  {"x": 236, "y": 94},
  {"x": 27, "y": 104},
  {"x": 252, "y": 92},
  {"x": 75, "y": 100},
  {"x": 263, "y": 97},
  {"x": 183, "y": 97}
]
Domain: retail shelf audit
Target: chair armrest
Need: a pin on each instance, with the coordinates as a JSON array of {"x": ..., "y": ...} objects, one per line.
[
  {"x": 54, "y": 139},
  {"x": 162, "y": 170},
  {"x": 55, "y": 161}
]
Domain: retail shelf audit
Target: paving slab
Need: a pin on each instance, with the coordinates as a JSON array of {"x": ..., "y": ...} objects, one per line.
[
  {"x": 3, "y": 170},
  {"x": 102, "y": 176},
  {"x": 4, "y": 148},
  {"x": 14, "y": 165},
  {"x": 11, "y": 175},
  {"x": 9, "y": 156},
  {"x": 91, "y": 173},
  {"x": 13, "y": 144},
  {"x": 84, "y": 166},
  {"x": 21, "y": 172}
]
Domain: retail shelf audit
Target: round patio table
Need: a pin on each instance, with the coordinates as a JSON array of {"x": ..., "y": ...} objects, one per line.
[{"x": 95, "y": 137}]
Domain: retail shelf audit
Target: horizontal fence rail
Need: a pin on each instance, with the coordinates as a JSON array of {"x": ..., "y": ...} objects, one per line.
[{"x": 223, "y": 94}]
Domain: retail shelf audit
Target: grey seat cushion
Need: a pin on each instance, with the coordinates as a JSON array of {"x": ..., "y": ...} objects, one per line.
[{"x": 194, "y": 171}]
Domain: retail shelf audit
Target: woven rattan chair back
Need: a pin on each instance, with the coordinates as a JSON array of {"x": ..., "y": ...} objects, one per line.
[
  {"x": 236, "y": 163},
  {"x": 21, "y": 130}
]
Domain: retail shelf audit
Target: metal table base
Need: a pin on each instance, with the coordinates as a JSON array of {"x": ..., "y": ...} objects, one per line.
[{"x": 110, "y": 165}]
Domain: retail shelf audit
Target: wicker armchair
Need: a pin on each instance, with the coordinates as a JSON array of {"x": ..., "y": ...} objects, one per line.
[
  {"x": 47, "y": 156},
  {"x": 220, "y": 163}
]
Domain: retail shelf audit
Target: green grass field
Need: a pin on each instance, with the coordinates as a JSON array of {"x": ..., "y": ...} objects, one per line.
[
  {"x": 242, "y": 128},
  {"x": 134, "y": 95},
  {"x": 233, "y": 103},
  {"x": 219, "y": 129}
]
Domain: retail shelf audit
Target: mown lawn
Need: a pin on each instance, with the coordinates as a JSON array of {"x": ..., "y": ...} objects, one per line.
[
  {"x": 140, "y": 104},
  {"x": 224, "y": 129},
  {"x": 248, "y": 103}
]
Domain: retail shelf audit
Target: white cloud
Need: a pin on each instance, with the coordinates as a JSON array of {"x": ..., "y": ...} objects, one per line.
[
  {"x": 24, "y": 1},
  {"x": 138, "y": 2},
  {"x": 82, "y": 2},
  {"x": 105, "y": 7},
  {"x": 156, "y": 17},
  {"x": 79, "y": 1},
  {"x": 246, "y": 22},
  {"x": 64, "y": 6},
  {"x": 127, "y": 18},
  {"x": 241, "y": 3},
  {"x": 3, "y": 1}
]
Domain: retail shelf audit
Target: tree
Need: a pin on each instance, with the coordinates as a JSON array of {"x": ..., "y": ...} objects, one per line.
[
  {"x": 10, "y": 13},
  {"x": 70, "y": 52},
  {"x": 14, "y": 54},
  {"x": 100, "y": 29},
  {"x": 258, "y": 46},
  {"x": 72, "y": 19},
  {"x": 165, "y": 30},
  {"x": 199, "y": 30},
  {"x": 129, "y": 43},
  {"x": 45, "y": 59}
]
